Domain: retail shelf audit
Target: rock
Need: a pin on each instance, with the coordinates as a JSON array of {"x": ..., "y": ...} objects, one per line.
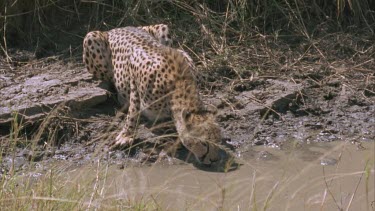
[
  {"x": 33, "y": 97},
  {"x": 328, "y": 161}
]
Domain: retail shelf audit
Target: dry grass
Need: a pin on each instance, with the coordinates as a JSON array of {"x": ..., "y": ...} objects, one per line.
[
  {"x": 244, "y": 39},
  {"x": 287, "y": 183},
  {"x": 47, "y": 26}
]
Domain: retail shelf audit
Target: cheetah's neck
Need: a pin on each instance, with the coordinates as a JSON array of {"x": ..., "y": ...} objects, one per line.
[{"x": 185, "y": 97}]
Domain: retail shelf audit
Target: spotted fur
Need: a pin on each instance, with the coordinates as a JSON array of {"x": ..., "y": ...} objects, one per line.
[{"x": 156, "y": 80}]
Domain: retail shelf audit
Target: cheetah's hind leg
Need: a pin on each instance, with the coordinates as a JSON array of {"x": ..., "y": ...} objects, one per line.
[{"x": 97, "y": 55}]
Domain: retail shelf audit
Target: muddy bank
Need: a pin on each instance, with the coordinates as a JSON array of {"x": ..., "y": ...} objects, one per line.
[
  {"x": 68, "y": 116},
  {"x": 323, "y": 94}
]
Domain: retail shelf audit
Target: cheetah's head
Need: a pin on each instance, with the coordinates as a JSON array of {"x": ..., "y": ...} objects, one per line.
[{"x": 200, "y": 134}]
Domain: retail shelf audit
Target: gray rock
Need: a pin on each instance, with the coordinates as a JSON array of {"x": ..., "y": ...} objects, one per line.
[{"x": 33, "y": 97}]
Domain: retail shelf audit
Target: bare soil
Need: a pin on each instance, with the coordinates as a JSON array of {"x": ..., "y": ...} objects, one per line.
[{"x": 306, "y": 92}]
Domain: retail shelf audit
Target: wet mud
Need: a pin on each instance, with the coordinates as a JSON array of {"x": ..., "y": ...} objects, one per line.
[
  {"x": 301, "y": 136},
  {"x": 51, "y": 108},
  {"x": 55, "y": 111}
]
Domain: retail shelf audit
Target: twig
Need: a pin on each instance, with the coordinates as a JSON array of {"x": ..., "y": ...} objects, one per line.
[
  {"x": 356, "y": 188},
  {"x": 5, "y": 47},
  {"x": 329, "y": 191}
]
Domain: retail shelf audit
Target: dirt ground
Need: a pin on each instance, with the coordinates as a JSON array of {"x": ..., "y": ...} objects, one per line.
[{"x": 305, "y": 92}]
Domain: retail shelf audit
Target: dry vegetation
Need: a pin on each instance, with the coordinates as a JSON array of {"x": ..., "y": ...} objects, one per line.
[
  {"x": 48, "y": 27},
  {"x": 231, "y": 42}
]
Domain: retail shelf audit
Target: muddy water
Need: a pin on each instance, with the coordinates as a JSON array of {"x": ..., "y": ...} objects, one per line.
[{"x": 315, "y": 176}]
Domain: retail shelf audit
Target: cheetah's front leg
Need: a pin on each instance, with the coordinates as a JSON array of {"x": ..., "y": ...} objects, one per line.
[{"x": 127, "y": 134}]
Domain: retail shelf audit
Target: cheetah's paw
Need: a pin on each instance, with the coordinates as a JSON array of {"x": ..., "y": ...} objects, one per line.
[{"x": 122, "y": 141}]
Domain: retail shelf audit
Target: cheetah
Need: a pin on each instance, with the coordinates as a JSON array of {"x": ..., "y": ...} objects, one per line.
[
  {"x": 100, "y": 63},
  {"x": 156, "y": 81},
  {"x": 160, "y": 32}
]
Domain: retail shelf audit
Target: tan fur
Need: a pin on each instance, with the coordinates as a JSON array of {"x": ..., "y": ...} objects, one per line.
[{"x": 155, "y": 80}]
